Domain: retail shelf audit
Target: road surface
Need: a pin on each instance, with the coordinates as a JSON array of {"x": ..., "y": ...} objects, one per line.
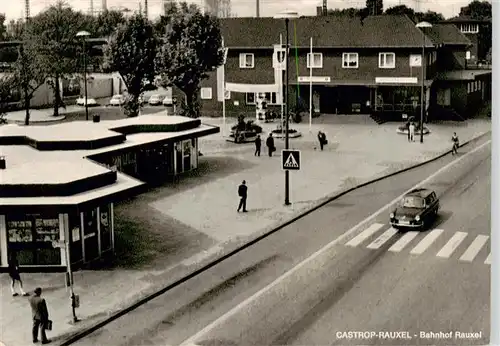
[{"x": 403, "y": 283}]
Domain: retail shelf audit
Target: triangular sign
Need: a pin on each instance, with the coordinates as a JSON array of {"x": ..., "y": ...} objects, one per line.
[{"x": 290, "y": 162}]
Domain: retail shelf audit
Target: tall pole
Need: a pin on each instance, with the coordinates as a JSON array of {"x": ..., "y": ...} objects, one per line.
[
  {"x": 257, "y": 8},
  {"x": 70, "y": 278},
  {"x": 422, "y": 91},
  {"x": 287, "y": 114},
  {"x": 282, "y": 91},
  {"x": 311, "y": 85},
  {"x": 85, "y": 79},
  {"x": 224, "y": 99}
]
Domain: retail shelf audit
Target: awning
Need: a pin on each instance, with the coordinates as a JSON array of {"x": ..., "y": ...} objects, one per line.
[
  {"x": 365, "y": 83},
  {"x": 252, "y": 88}
]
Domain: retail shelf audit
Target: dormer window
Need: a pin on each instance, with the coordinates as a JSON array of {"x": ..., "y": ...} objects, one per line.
[{"x": 469, "y": 28}]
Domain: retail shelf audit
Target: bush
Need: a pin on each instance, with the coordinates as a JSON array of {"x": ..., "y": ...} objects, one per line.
[
  {"x": 279, "y": 131},
  {"x": 248, "y": 126}
]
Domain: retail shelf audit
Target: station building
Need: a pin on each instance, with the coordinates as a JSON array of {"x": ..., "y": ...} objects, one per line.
[{"x": 59, "y": 183}]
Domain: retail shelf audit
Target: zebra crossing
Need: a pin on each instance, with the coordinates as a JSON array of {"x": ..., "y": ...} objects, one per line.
[{"x": 465, "y": 247}]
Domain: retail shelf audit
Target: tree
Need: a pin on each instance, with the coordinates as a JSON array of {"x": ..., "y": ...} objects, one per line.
[
  {"x": 6, "y": 85},
  {"x": 15, "y": 31},
  {"x": 429, "y": 16},
  {"x": 131, "y": 51},
  {"x": 351, "y": 12},
  {"x": 375, "y": 7},
  {"x": 192, "y": 46},
  {"x": 105, "y": 24},
  {"x": 28, "y": 75},
  {"x": 52, "y": 34},
  {"x": 3, "y": 28},
  {"x": 481, "y": 10}
]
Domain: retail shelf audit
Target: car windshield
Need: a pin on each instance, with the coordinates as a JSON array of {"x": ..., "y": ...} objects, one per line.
[{"x": 412, "y": 202}]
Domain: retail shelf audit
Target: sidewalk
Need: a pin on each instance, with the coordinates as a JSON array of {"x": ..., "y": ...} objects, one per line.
[{"x": 171, "y": 231}]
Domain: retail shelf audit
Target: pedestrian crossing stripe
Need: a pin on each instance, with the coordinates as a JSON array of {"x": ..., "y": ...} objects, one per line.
[
  {"x": 376, "y": 235},
  {"x": 290, "y": 162}
]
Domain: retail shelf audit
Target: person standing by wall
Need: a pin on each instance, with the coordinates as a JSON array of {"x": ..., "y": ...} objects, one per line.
[
  {"x": 15, "y": 275},
  {"x": 40, "y": 316}
]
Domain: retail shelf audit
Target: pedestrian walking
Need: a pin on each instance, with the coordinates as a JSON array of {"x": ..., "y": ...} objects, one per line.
[
  {"x": 411, "y": 130},
  {"x": 40, "y": 316},
  {"x": 15, "y": 276},
  {"x": 242, "y": 192},
  {"x": 322, "y": 139},
  {"x": 258, "y": 143},
  {"x": 270, "y": 145}
]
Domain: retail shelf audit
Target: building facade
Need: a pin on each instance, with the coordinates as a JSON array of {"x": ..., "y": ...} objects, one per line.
[
  {"x": 357, "y": 67},
  {"x": 63, "y": 213}
]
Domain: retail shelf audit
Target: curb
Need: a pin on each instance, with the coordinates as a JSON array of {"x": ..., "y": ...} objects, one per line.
[{"x": 83, "y": 333}]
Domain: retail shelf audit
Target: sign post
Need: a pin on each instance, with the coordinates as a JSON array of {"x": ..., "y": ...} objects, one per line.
[
  {"x": 290, "y": 160},
  {"x": 75, "y": 299}
]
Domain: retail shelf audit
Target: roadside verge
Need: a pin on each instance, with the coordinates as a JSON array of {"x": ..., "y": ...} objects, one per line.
[{"x": 186, "y": 273}]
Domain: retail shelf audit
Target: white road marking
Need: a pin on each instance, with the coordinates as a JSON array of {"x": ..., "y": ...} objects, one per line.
[
  {"x": 488, "y": 259},
  {"x": 474, "y": 248},
  {"x": 426, "y": 242},
  {"x": 452, "y": 245},
  {"x": 405, "y": 240},
  {"x": 365, "y": 234},
  {"x": 377, "y": 243},
  {"x": 242, "y": 306}
]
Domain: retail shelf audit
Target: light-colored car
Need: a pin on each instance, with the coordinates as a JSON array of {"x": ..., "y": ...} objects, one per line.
[
  {"x": 117, "y": 100},
  {"x": 90, "y": 101},
  {"x": 155, "y": 100},
  {"x": 167, "y": 101}
]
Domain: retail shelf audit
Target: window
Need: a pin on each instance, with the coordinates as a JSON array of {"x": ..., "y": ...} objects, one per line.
[
  {"x": 317, "y": 60},
  {"x": 272, "y": 98},
  {"x": 387, "y": 60},
  {"x": 246, "y": 60},
  {"x": 469, "y": 28},
  {"x": 206, "y": 93},
  {"x": 350, "y": 60}
]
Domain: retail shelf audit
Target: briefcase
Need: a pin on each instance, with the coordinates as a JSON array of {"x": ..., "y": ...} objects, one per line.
[{"x": 48, "y": 325}]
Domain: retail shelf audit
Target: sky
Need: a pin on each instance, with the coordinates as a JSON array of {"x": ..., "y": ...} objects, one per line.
[{"x": 242, "y": 8}]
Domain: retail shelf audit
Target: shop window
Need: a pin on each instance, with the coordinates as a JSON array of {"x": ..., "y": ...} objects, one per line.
[
  {"x": 186, "y": 155},
  {"x": 271, "y": 98},
  {"x": 105, "y": 227},
  {"x": 31, "y": 237}
]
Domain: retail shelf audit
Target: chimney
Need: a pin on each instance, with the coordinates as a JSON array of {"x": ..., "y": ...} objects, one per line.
[{"x": 319, "y": 11}]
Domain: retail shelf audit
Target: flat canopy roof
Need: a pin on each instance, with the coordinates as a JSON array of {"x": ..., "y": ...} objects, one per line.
[
  {"x": 463, "y": 75},
  {"x": 27, "y": 165}
]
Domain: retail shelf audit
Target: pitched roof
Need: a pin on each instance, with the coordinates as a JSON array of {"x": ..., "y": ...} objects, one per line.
[
  {"x": 383, "y": 31},
  {"x": 447, "y": 34}
]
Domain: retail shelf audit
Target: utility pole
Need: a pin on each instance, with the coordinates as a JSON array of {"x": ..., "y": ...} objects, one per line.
[
  {"x": 257, "y": 8},
  {"x": 146, "y": 8},
  {"x": 325, "y": 7},
  {"x": 27, "y": 10}
]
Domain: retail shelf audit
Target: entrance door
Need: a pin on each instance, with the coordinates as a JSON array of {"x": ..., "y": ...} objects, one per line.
[
  {"x": 327, "y": 100},
  {"x": 90, "y": 235},
  {"x": 178, "y": 157}
]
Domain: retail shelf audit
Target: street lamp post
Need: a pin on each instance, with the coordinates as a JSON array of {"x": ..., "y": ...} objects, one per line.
[
  {"x": 287, "y": 15},
  {"x": 421, "y": 26},
  {"x": 84, "y": 35}
]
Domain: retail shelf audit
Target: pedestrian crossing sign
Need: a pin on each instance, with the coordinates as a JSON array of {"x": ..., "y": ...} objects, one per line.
[{"x": 290, "y": 160}]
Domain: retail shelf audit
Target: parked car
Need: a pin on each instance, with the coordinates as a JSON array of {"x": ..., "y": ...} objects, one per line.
[
  {"x": 117, "y": 100},
  {"x": 417, "y": 209},
  {"x": 90, "y": 101},
  {"x": 167, "y": 101},
  {"x": 155, "y": 100}
]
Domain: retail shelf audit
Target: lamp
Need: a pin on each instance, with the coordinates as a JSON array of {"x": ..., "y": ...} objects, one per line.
[
  {"x": 84, "y": 35},
  {"x": 287, "y": 15},
  {"x": 421, "y": 26}
]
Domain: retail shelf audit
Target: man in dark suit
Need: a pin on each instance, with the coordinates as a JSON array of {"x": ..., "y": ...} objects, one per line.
[
  {"x": 242, "y": 192},
  {"x": 40, "y": 316},
  {"x": 258, "y": 143},
  {"x": 270, "y": 144}
]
